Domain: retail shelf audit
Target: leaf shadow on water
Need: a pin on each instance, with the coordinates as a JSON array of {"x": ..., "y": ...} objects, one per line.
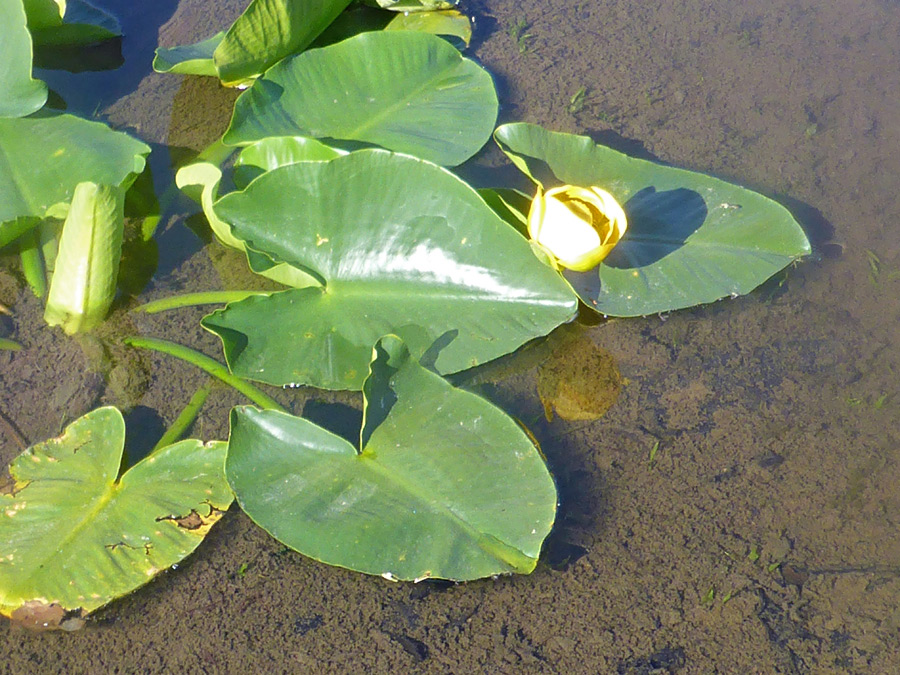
[
  {"x": 659, "y": 223},
  {"x": 817, "y": 227},
  {"x": 339, "y": 418},
  {"x": 106, "y": 55},
  {"x": 143, "y": 428}
]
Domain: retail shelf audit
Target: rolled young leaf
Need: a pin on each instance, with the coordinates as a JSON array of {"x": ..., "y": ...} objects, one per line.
[
  {"x": 446, "y": 485},
  {"x": 84, "y": 280}
]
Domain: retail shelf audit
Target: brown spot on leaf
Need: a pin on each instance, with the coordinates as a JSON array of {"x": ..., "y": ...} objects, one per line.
[
  {"x": 9, "y": 485},
  {"x": 192, "y": 521},
  {"x": 38, "y": 615}
]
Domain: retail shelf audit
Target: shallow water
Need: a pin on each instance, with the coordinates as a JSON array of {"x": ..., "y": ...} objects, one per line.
[{"x": 776, "y": 414}]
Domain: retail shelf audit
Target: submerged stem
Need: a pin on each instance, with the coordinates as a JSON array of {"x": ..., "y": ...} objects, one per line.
[
  {"x": 33, "y": 263},
  {"x": 194, "y": 299},
  {"x": 185, "y": 418},
  {"x": 209, "y": 365}
]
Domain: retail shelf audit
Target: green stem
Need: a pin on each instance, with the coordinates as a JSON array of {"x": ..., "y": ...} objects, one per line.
[
  {"x": 209, "y": 365},
  {"x": 194, "y": 299},
  {"x": 33, "y": 263},
  {"x": 185, "y": 418},
  {"x": 10, "y": 345}
]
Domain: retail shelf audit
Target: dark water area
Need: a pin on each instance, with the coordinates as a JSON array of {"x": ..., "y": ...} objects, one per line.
[{"x": 764, "y": 537}]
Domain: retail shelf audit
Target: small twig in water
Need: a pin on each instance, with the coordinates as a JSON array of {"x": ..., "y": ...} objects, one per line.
[{"x": 13, "y": 431}]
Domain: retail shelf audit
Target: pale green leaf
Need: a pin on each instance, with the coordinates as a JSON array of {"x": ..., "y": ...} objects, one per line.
[
  {"x": 74, "y": 537},
  {"x": 87, "y": 262},
  {"x": 401, "y": 246}
]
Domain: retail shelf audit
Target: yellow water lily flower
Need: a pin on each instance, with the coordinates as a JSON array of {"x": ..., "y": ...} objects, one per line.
[{"x": 578, "y": 226}]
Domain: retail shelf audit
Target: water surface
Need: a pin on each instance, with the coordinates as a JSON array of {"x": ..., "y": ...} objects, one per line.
[{"x": 764, "y": 536}]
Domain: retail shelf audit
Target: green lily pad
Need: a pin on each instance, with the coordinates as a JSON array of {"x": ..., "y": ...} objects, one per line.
[
  {"x": 446, "y": 485},
  {"x": 73, "y": 537},
  {"x": 267, "y": 32},
  {"x": 69, "y": 23},
  {"x": 22, "y": 94},
  {"x": 400, "y": 246},
  {"x": 691, "y": 238},
  {"x": 275, "y": 151},
  {"x": 406, "y": 91},
  {"x": 207, "y": 177},
  {"x": 43, "y": 158}
]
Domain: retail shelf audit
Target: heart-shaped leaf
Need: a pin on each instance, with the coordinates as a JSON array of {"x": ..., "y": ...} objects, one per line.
[
  {"x": 691, "y": 238},
  {"x": 73, "y": 537},
  {"x": 22, "y": 94},
  {"x": 401, "y": 246},
  {"x": 446, "y": 486},
  {"x": 406, "y": 91},
  {"x": 46, "y": 156}
]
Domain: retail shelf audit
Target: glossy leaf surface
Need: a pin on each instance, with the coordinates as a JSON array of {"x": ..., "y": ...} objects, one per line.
[
  {"x": 43, "y": 158},
  {"x": 691, "y": 238},
  {"x": 406, "y": 91},
  {"x": 74, "y": 537},
  {"x": 400, "y": 246},
  {"x": 446, "y": 486},
  {"x": 21, "y": 94}
]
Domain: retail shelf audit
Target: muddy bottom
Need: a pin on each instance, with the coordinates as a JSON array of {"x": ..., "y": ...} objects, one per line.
[{"x": 763, "y": 535}]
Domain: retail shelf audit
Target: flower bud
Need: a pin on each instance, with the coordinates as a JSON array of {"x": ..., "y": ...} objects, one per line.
[{"x": 578, "y": 226}]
